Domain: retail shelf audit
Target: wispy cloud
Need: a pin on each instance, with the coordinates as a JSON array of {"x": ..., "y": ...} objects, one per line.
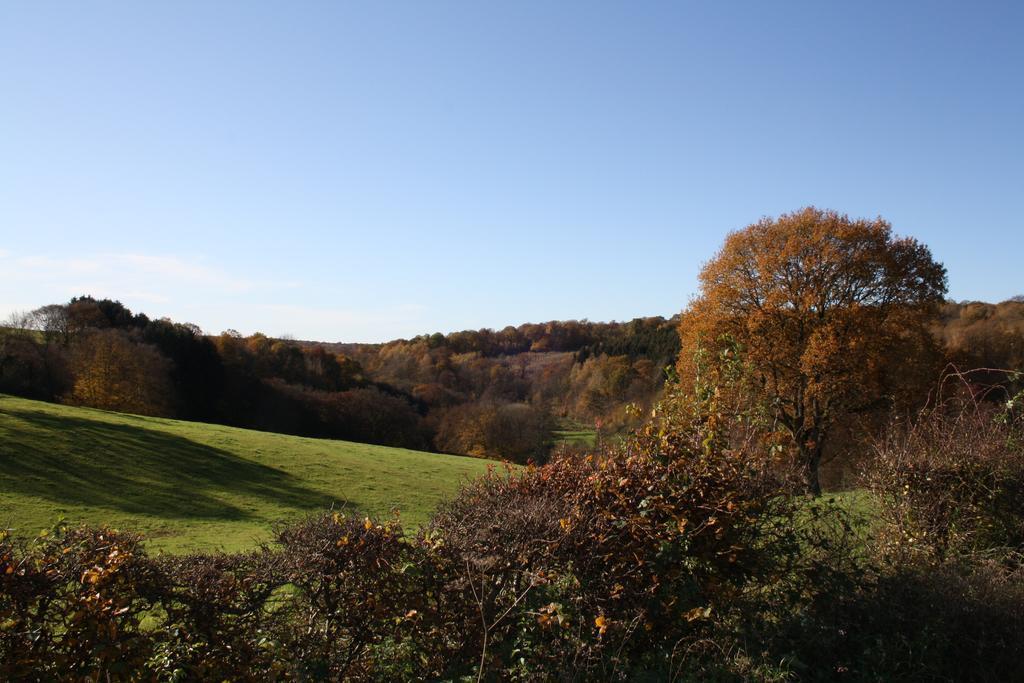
[
  {"x": 343, "y": 324},
  {"x": 192, "y": 290},
  {"x": 86, "y": 272},
  {"x": 168, "y": 281}
]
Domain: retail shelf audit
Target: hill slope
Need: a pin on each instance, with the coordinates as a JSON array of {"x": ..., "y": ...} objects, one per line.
[{"x": 194, "y": 486}]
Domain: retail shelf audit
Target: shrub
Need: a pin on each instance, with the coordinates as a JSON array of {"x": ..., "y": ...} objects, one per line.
[
  {"x": 944, "y": 597},
  {"x": 359, "y": 594},
  {"x": 951, "y": 484},
  {"x": 71, "y": 606},
  {"x": 607, "y": 564},
  {"x": 916, "y": 621},
  {"x": 219, "y": 619}
]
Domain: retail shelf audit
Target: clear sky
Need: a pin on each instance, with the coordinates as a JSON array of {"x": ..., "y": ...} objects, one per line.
[{"x": 365, "y": 171}]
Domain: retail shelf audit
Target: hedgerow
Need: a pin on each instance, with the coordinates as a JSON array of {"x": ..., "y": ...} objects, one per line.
[{"x": 683, "y": 554}]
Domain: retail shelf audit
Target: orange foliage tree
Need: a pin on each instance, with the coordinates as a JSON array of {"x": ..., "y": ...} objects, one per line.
[
  {"x": 114, "y": 373},
  {"x": 823, "y": 315}
]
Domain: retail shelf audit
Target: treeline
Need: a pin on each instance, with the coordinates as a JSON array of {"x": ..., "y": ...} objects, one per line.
[
  {"x": 98, "y": 353},
  {"x": 573, "y": 372},
  {"x": 985, "y": 337},
  {"x": 653, "y": 338},
  {"x": 486, "y": 393}
]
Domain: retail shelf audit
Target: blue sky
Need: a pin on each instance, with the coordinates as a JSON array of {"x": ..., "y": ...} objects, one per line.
[{"x": 366, "y": 171}]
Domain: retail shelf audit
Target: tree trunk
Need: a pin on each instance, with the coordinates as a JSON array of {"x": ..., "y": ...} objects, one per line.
[{"x": 811, "y": 457}]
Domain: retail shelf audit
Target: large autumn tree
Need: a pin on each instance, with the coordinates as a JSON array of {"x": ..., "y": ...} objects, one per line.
[{"x": 823, "y": 315}]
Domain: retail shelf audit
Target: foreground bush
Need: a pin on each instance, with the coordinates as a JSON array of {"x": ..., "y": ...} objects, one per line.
[
  {"x": 360, "y": 592},
  {"x": 218, "y": 617},
  {"x": 952, "y": 621},
  {"x": 596, "y": 568},
  {"x": 683, "y": 555},
  {"x": 602, "y": 566},
  {"x": 72, "y": 605},
  {"x": 944, "y": 597},
  {"x": 951, "y": 485}
]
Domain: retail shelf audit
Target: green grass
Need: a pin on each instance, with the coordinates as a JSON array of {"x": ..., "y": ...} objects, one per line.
[
  {"x": 192, "y": 486},
  {"x": 857, "y": 502},
  {"x": 586, "y": 437}
]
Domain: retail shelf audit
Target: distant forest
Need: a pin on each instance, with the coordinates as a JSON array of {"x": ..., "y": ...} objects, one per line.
[{"x": 500, "y": 394}]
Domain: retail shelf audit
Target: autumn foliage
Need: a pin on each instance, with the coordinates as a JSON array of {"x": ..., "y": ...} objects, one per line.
[
  {"x": 609, "y": 563},
  {"x": 496, "y": 394},
  {"x": 828, "y": 315},
  {"x": 113, "y": 373}
]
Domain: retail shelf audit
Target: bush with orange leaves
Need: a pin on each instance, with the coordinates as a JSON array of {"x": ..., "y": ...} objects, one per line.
[
  {"x": 340, "y": 598},
  {"x": 654, "y": 557},
  {"x": 71, "y": 606},
  {"x": 608, "y": 565}
]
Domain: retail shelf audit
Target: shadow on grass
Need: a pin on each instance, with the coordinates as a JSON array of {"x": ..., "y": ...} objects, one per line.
[{"x": 90, "y": 462}]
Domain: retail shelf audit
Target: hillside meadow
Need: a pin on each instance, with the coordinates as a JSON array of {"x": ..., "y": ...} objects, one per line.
[{"x": 200, "y": 487}]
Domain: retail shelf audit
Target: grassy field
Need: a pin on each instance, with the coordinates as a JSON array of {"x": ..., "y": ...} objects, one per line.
[
  {"x": 192, "y": 486},
  {"x": 587, "y": 437}
]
